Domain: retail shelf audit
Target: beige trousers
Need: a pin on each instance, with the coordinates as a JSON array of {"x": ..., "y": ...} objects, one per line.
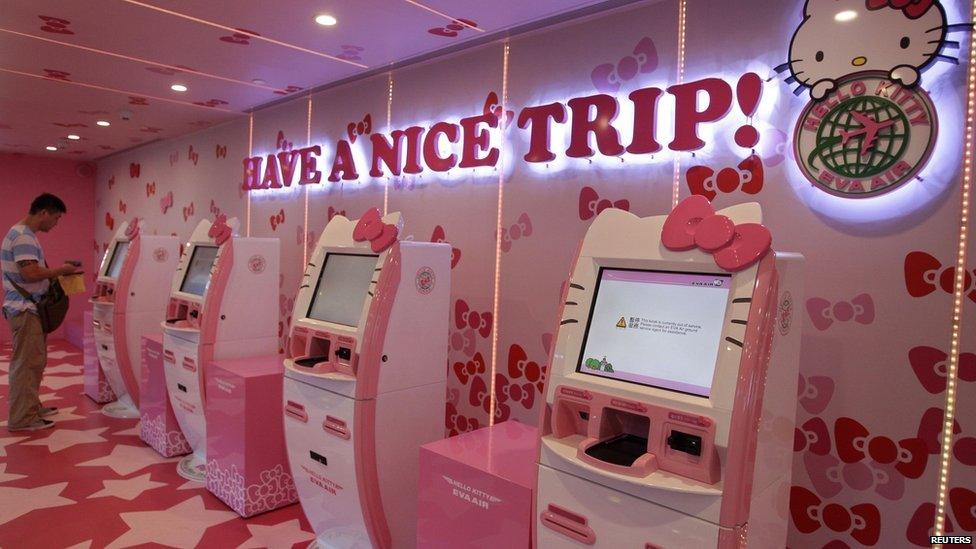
[{"x": 26, "y": 368}]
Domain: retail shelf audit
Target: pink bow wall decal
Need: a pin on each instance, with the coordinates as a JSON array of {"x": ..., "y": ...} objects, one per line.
[
  {"x": 823, "y": 314},
  {"x": 371, "y": 227},
  {"x": 132, "y": 231},
  {"x": 694, "y": 223}
]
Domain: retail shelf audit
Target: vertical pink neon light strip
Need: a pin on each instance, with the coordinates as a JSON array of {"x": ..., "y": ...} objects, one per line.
[
  {"x": 250, "y": 153},
  {"x": 498, "y": 239},
  {"x": 389, "y": 131},
  {"x": 959, "y": 290},
  {"x": 308, "y": 143},
  {"x": 681, "y": 76}
]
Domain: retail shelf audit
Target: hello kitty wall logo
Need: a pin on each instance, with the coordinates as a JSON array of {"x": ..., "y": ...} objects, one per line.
[{"x": 869, "y": 128}]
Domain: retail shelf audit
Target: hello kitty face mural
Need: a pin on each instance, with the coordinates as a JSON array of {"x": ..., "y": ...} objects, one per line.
[{"x": 841, "y": 37}]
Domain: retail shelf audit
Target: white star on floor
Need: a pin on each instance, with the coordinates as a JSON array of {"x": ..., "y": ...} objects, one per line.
[
  {"x": 182, "y": 525},
  {"x": 133, "y": 431},
  {"x": 7, "y": 477},
  {"x": 125, "y": 459},
  {"x": 63, "y": 369},
  {"x": 192, "y": 485},
  {"x": 59, "y": 439},
  {"x": 276, "y": 536},
  {"x": 7, "y": 441},
  {"x": 128, "y": 489},
  {"x": 83, "y": 545},
  {"x": 60, "y": 382},
  {"x": 66, "y": 414},
  {"x": 60, "y": 354},
  {"x": 15, "y": 502}
]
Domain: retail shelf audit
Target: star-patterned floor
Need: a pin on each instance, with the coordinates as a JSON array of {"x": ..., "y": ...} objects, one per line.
[{"x": 90, "y": 482}]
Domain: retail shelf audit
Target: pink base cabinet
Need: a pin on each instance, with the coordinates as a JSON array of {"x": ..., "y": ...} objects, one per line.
[
  {"x": 247, "y": 464},
  {"x": 96, "y": 384},
  {"x": 159, "y": 428},
  {"x": 476, "y": 488}
]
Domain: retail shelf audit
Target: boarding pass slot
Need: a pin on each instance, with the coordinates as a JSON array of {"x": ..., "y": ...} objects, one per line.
[
  {"x": 189, "y": 364},
  {"x": 296, "y": 411},
  {"x": 335, "y": 426},
  {"x": 569, "y": 524},
  {"x": 168, "y": 356}
]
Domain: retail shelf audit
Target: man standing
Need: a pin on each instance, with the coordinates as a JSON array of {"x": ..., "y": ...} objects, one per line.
[{"x": 22, "y": 262}]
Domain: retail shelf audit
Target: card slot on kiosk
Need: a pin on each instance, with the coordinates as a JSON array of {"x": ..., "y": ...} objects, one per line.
[
  {"x": 664, "y": 383},
  {"x": 127, "y": 304},
  {"x": 368, "y": 342}
]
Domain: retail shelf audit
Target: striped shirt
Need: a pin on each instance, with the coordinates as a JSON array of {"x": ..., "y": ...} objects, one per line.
[{"x": 20, "y": 244}]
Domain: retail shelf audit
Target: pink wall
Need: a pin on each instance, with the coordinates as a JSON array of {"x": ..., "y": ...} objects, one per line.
[
  {"x": 864, "y": 369},
  {"x": 25, "y": 177}
]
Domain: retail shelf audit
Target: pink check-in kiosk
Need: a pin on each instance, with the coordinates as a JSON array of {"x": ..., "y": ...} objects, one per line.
[
  {"x": 223, "y": 303},
  {"x": 126, "y": 305},
  {"x": 365, "y": 379},
  {"x": 671, "y": 395}
]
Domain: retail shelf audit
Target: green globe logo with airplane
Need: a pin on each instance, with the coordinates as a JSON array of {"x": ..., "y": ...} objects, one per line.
[{"x": 868, "y": 137}]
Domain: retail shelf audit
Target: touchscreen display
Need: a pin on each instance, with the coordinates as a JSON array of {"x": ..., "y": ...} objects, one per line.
[
  {"x": 341, "y": 288},
  {"x": 198, "y": 272},
  {"x": 656, "y": 328},
  {"x": 118, "y": 258}
]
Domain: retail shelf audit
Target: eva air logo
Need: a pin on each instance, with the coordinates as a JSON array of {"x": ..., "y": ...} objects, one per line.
[{"x": 867, "y": 137}]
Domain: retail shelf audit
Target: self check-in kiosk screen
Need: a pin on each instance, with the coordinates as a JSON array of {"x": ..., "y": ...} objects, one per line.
[
  {"x": 198, "y": 273},
  {"x": 118, "y": 258},
  {"x": 341, "y": 288},
  {"x": 656, "y": 328}
]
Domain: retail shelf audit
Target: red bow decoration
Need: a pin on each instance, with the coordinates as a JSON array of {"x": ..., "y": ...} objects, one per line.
[
  {"x": 523, "y": 227},
  {"x": 334, "y": 212},
  {"x": 963, "y": 501},
  {"x": 922, "y": 270},
  {"x": 814, "y": 393},
  {"x": 464, "y": 341},
  {"x": 219, "y": 230},
  {"x": 440, "y": 236},
  {"x": 363, "y": 127},
  {"x": 930, "y": 429},
  {"x": 922, "y": 524},
  {"x": 813, "y": 435},
  {"x": 931, "y": 369},
  {"x": 822, "y": 314},
  {"x": 133, "y": 229},
  {"x": 463, "y": 316},
  {"x": 913, "y": 9},
  {"x": 829, "y": 475},
  {"x": 166, "y": 202},
  {"x": 371, "y": 227},
  {"x": 519, "y": 365},
  {"x": 465, "y": 370},
  {"x": 506, "y": 390},
  {"x": 694, "y": 223},
  {"x": 862, "y": 521},
  {"x": 590, "y": 204},
  {"x": 457, "y": 423},
  {"x": 277, "y": 219},
  {"x": 748, "y": 176},
  {"x": 854, "y": 443},
  {"x": 479, "y": 396}
]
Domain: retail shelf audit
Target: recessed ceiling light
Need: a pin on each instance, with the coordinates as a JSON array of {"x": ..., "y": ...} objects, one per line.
[
  {"x": 51, "y": 148},
  {"x": 326, "y": 20},
  {"x": 846, "y": 15},
  {"x": 178, "y": 88},
  {"x": 259, "y": 81},
  {"x": 104, "y": 123},
  {"x": 74, "y": 137}
]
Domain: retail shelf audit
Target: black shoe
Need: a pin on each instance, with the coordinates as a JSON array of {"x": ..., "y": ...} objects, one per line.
[
  {"x": 48, "y": 411},
  {"x": 36, "y": 426}
]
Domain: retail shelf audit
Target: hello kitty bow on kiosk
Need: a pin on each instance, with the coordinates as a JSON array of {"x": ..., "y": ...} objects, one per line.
[
  {"x": 220, "y": 231},
  {"x": 372, "y": 228},
  {"x": 694, "y": 224}
]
